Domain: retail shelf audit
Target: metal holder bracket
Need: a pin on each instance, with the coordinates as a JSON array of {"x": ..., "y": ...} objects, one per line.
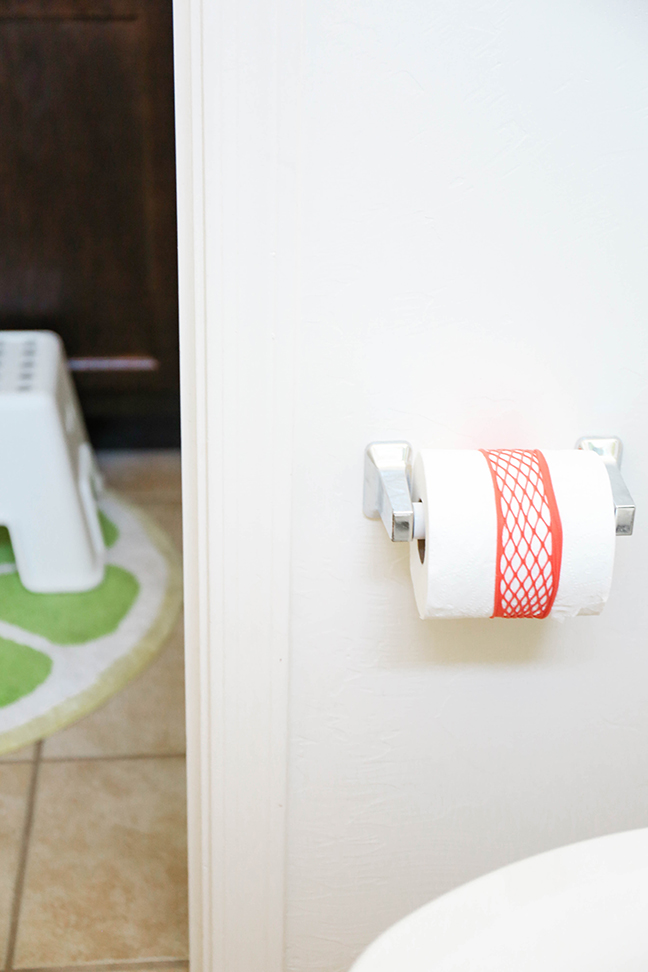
[
  {"x": 387, "y": 488},
  {"x": 387, "y": 492},
  {"x": 610, "y": 450}
]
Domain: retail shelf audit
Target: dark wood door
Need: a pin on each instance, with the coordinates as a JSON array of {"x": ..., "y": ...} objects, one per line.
[{"x": 87, "y": 200}]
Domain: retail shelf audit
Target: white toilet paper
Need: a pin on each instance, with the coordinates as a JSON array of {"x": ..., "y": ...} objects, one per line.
[{"x": 512, "y": 534}]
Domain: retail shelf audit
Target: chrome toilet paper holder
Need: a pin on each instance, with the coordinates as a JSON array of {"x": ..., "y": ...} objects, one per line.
[{"x": 387, "y": 487}]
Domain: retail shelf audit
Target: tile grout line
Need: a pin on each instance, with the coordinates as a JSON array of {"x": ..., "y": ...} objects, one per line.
[
  {"x": 124, "y": 966},
  {"x": 22, "y": 860},
  {"x": 104, "y": 759},
  {"x": 82, "y": 759}
]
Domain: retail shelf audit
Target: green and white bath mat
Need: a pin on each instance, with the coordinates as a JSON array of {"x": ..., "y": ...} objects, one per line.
[{"x": 62, "y": 655}]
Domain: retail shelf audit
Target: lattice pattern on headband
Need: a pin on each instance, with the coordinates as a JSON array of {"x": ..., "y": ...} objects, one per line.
[{"x": 529, "y": 534}]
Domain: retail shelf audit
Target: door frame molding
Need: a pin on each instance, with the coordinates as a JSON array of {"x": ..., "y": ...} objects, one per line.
[{"x": 236, "y": 89}]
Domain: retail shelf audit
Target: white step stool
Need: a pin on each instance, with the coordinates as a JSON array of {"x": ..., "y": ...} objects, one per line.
[{"x": 48, "y": 474}]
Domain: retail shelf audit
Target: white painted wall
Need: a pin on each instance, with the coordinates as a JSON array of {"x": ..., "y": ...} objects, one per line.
[
  {"x": 423, "y": 219},
  {"x": 474, "y": 273}
]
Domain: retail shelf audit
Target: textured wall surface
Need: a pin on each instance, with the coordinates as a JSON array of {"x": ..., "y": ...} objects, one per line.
[{"x": 475, "y": 242}]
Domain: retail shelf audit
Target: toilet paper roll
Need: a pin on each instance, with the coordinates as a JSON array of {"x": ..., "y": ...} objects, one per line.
[{"x": 512, "y": 533}]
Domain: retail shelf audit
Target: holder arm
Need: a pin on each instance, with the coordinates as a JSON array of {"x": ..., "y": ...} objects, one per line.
[
  {"x": 610, "y": 450},
  {"x": 387, "y": 489}
]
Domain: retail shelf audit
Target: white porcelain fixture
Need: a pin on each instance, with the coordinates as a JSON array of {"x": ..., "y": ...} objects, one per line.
[{"x": 577, "y": 908}]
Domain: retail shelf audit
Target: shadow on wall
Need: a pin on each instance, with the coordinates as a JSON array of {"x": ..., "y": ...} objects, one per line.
[
  {"x": 495, "y": 642},
  {"x": 466, "y": 641}
]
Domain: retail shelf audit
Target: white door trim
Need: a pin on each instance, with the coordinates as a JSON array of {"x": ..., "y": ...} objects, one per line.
[{"x": 237, "y": 66}]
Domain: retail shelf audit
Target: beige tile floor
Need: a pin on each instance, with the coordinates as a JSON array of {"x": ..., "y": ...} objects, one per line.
[{"x": 93, "y": 819}]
